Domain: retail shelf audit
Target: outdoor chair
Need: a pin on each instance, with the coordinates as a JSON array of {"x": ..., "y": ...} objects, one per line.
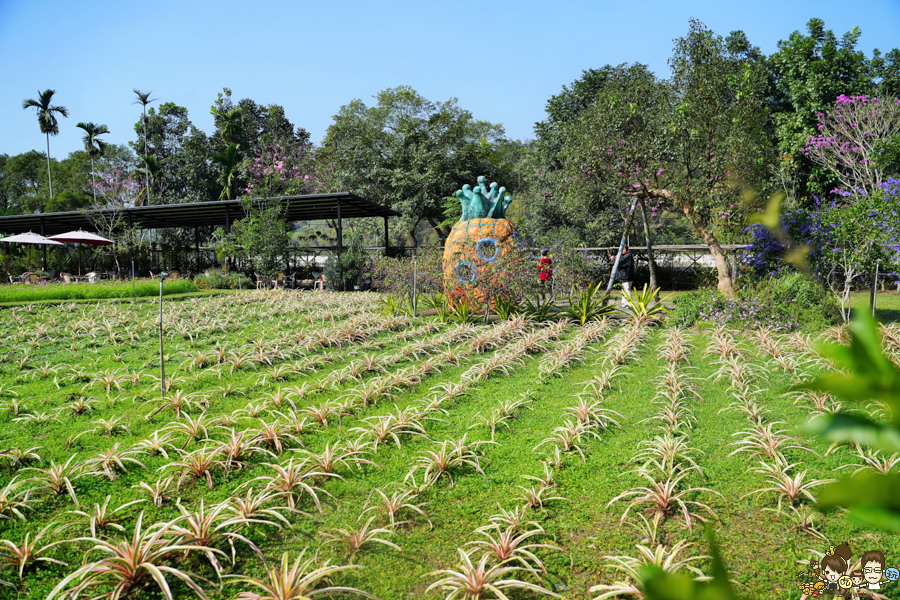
[
  {"x": 66, "y": 277},
  {"x": 279, "y": 278},
  {"x": 93, "y": 277},
  {"x": 174, "y": 274},
  {"x": 32, "y": 278},
  {"x": 290, "y": 280},
  {"x": 260, "y": 282}
]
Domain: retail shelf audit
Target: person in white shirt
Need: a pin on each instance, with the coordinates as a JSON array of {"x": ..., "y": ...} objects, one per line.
[{"x": 873, "y": 568}]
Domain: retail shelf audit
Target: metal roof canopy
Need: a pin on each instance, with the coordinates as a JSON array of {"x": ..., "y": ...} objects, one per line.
[{"x": 312, "y": 207}]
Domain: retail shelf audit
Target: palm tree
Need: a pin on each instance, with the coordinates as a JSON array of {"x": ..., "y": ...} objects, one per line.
[
  {"x": 93, "y": 146},
  {"x": 229, "y": 162},
  {"x": 47, "y": 120},
  {"x": 143, "y": 98},
  {"x": 231, "y": 124},
  {"x": 151, "y": 169}
]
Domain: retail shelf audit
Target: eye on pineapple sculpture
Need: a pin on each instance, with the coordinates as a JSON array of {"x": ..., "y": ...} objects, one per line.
[{"x": 482, "y": 236}]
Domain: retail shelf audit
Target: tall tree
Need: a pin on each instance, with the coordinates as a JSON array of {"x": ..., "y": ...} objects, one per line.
[
  {"x": 260, "y": 124},
  {"x": 589, "y": 211},
  {"x": 143, "y": 98},
  {"x": 166, "y": 130},
  {"x": 46, "y": 113},
  {"x": 232, "y": 124},
  {"x": 94, "y": 146},
  {"x": 228, "y": 162},
  {"x": 692, "y": 141},
  {"x": 411, "y": 153},
  {"x": 201, "y": 173},
  {"x": 808, "y": 73}
]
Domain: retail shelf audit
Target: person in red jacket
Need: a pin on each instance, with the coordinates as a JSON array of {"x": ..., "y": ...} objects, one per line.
[{"x": 545, "y": 271}]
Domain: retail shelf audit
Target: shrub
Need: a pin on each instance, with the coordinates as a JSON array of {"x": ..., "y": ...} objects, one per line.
[
  {"x": 693, "y": 306},
  {"x": 345, "y": 270},
  {"x": 395, "y": 275},
  {"x": 782, "y": 303},
  {"x": 217, "y": 280}
]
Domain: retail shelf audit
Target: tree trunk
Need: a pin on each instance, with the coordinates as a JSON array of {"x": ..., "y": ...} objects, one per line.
[
  {"x": 726, "y": 285},
  {"x": 654, "y": 281},
  {"x": 49, "y": 176},
  {"x": 442, "y": 233},
  {"x": 615, "y": 266},
  {"x": 93, "y": 183},
  {"x": 147, "y": 177}
]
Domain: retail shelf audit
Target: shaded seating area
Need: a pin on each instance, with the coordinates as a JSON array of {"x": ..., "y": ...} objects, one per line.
[{"x": 334, "y": 207}]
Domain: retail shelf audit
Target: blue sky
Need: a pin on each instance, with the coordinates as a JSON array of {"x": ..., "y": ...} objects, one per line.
[{"x": 502, "y": 60}]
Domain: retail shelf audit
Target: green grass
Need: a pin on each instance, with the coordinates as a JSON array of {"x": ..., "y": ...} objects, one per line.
[
  {"x": 91, "y": 291},
  {"x": 758, "y": 544},
  {"x": 144, "y": 299}
]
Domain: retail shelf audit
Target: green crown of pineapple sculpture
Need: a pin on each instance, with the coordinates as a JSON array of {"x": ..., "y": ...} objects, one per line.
[{"x": 482, "y": 236}]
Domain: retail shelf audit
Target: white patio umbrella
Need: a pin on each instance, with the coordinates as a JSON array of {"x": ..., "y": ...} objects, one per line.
[
  {"x": 30, "y": 238},
  {"x": 82, "y": 237}
]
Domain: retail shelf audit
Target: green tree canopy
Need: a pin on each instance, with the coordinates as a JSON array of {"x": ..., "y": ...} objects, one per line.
[
  {"x": 807, "y": 74},
  {"x": 93, "y": 145},
  {"x": 166, "y": 128},
  {"x": 693, "y": 141},
  {"x": 259, "y": 239},
  {"x": 411, "y": 154},
  {"x": 579, "y": 204}
]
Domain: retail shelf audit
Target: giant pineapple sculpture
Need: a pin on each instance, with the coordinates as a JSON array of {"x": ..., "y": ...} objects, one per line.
[{"x": 482, "y": 236}]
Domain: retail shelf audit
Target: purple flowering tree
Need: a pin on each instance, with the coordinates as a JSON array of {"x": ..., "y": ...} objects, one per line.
[
  {"x": 844, "y": 240},
  {"x": 115, "y": 190},
  {"x": 847, "y": 139}
]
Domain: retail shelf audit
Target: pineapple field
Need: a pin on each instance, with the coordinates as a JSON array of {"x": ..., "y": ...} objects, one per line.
[{"x": 309, "y": 445}]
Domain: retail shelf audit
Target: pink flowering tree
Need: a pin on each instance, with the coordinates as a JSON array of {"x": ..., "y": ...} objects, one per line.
[
  {"x": 285, "y": 169},
  {"x": 848, "y": 138}
]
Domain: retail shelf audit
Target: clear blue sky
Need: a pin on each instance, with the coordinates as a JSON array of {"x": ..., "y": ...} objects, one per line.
[{"x": 501, "y": 59}]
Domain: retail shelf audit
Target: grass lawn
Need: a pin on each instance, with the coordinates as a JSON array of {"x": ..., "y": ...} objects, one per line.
[
  {"x": 143, "y": 299},
  {"x": 305, "y": 373},
  {"x": 100, "y": 290}
]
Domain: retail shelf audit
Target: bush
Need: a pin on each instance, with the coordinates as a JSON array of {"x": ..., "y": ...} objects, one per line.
[
  {"x": 96, "y": 291},
  {"x": 217, "y": 280},
  {"x": 345, "y": 270},
  {"x": 782, "y": 303},
  {"x": 395, "y": 275}
]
